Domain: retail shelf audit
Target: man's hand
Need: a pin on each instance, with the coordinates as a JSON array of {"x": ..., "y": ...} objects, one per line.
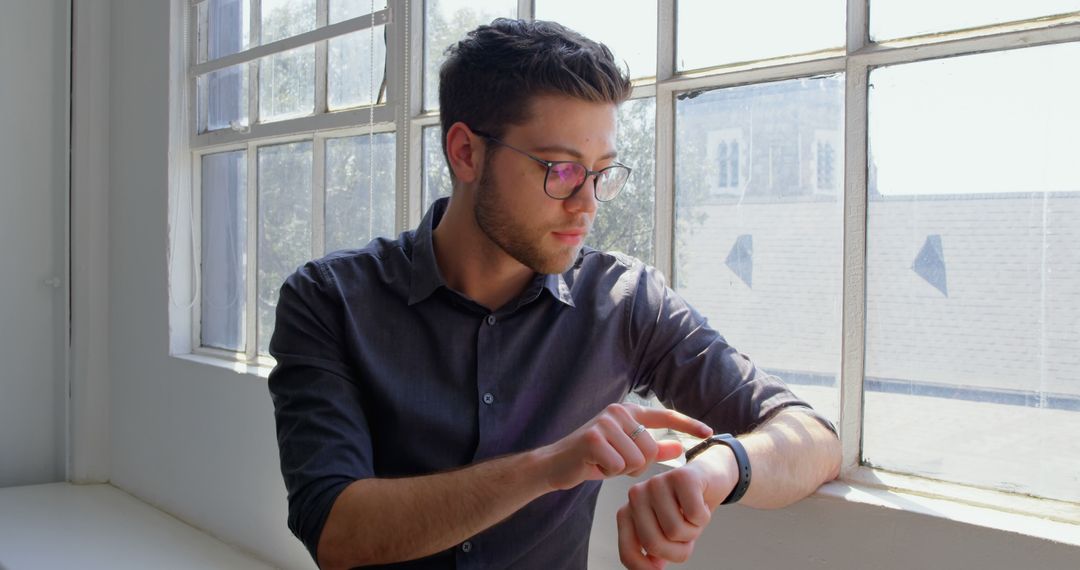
[
  {"x": 667, "y": 513},
  {"x": 604, "y": 448},
  {"x": 792, "y": 454}
]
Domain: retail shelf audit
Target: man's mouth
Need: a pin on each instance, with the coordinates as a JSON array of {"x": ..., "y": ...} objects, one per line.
[{"x": 571, "y": 236}]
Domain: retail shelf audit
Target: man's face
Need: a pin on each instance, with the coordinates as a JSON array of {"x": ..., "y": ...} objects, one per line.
[{"x": 512, "y": 209}]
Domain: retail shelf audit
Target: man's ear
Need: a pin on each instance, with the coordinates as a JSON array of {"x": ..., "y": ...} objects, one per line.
[{"x": 465, "y": 151}]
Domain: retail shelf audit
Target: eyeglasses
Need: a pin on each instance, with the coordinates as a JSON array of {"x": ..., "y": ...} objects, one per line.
[{"x": 565, "y": 177}]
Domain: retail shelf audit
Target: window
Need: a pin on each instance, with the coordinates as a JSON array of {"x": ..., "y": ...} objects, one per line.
[
  {"x": 294, "y": 147},
  {"x": 972, "y": 268},
  {"x": 739, "y": 246},
  {"x": 888, "y": 225}
]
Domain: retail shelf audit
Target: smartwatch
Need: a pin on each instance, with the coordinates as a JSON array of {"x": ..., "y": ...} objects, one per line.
[{"x": 742, "y": 460}]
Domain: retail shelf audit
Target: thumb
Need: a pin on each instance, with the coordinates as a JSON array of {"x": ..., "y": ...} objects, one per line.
[{"x": 668, "y": 450}]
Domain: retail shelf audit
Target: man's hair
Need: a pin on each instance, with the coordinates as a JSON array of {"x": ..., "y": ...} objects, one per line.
[{"x": 491, "y": 76}]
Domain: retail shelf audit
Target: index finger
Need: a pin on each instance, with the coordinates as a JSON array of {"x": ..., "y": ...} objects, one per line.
[{"x": 661, "y": 418}]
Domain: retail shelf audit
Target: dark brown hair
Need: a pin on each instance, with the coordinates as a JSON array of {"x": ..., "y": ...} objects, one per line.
[{"x": 491, "y": 76}]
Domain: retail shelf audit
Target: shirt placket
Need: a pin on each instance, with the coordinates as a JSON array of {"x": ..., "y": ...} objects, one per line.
[{"x": 488, "y": 357}]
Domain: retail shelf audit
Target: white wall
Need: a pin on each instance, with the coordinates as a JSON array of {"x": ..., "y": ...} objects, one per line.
[
  {"x": 199, "y": 441},
  {"x": 194, "y": 440},
  {"x": 34, "y": 44}
]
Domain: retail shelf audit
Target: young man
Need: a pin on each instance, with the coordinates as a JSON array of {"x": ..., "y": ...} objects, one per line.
[{"x": 450, "y": 399}]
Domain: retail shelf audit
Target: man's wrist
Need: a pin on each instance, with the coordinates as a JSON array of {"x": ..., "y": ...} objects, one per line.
[
  {"x": 742, "y": 462},
  {"x": 721, "y": 472}
]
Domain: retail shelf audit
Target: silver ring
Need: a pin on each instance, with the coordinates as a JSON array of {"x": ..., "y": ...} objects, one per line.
[{"x": 637, "y": 431}]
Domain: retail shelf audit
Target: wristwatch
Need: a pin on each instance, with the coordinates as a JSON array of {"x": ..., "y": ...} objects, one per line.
[{"x": 742, "y": 460}]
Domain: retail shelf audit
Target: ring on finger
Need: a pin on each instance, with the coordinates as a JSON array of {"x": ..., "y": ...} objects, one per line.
[{"x": 637, "y": 431}]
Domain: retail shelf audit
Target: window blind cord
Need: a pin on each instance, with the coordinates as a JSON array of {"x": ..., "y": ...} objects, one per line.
[{"x": 174, "y": 199}]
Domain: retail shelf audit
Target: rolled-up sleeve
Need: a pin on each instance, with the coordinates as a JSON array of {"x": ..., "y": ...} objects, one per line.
[
  {"x": 323, "y": 434},
  {"x": 691, "y": 367}
]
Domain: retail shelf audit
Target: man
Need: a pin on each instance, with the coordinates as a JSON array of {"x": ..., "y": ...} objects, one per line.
[{"x": 450, "y": 398}]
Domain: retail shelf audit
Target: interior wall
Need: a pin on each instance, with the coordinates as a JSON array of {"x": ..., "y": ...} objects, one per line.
[
  {"x": 198, "y": 441},
  {"x": 34, "y": 42},
  {"x": 195, "y": 440}
]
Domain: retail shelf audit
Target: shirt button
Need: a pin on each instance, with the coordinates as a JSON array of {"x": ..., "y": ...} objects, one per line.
[
  {"x": 491, "y": 320},
  {"x": 489, "y": 398},
  {"x": 466, "y": 546}
]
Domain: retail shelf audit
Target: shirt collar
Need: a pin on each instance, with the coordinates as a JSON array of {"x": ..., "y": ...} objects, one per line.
[{"x": 425, "y": 270}]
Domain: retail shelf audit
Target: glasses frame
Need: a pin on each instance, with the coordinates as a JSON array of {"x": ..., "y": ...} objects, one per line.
[{"x": 550, "y": 163}]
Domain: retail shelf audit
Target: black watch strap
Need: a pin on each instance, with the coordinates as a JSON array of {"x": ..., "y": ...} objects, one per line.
[{"x": 742, "y": 460}]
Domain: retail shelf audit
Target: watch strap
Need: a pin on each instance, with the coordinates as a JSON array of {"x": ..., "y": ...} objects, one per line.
[{"x": 742, "y": 461}]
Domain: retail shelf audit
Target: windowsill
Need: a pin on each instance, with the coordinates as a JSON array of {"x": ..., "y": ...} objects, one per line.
[
  {"x": 238, "y": 366},
  {"x": 934, "y": 499},
  {"x": 950, "y": 509}
]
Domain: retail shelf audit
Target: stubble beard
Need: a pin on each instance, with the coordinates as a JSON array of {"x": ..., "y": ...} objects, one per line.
[{"x": 512, "y": 238}]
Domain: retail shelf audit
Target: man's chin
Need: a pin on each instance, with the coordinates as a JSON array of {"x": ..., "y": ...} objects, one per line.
[{"x": 560, "y": 263}]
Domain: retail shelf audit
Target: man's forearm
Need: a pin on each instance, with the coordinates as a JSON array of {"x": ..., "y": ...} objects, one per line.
[
  {"x": 791, "y": 455},
  {"x": 375, "y": 521}
]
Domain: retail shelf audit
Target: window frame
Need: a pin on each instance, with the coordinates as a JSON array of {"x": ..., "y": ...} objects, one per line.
[{"x": 402, "y": 112}]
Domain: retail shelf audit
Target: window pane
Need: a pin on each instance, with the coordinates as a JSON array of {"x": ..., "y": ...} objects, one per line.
[
  {"x": 716, "y": 33},
  {"x": 341, "y": 10},
  {"x": 226, "y": 27},
  {"x": 285, "y": 18},
  {"x": 350, "y": 64},
  {"x": 287, "y": 85},
  {"x": 359, "y": 203},
  {"x": 223, "y": 99},
  {"x": 759, "y": 242},
  {"x": 437, "y": 181},
  {"x": 627, "y": 27},
  {"x": 902, "y": 18},
  {"x": 627, "y": 223},
  {"x": 445, "y": 23},
  {"x": 284, "y": 224},
  {"x": 224, "y": 241},
  {"x": 972, "y": 317}
]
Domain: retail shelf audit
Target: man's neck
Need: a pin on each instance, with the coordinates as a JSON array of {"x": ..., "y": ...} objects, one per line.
[{"x": 474, "y": 265}]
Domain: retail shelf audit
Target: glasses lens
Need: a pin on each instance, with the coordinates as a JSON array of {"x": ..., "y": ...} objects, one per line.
[
  {"x": 563, "y": 178},
  {"x": 610, "y": 182}
]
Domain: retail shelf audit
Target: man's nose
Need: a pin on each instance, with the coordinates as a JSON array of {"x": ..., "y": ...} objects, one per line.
[{"x": 584, "y": 200}]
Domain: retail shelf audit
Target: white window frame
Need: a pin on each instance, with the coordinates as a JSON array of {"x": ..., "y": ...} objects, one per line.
[
  {"x": 403, "y": 113},
  {"x": 1038, "y": 516}
]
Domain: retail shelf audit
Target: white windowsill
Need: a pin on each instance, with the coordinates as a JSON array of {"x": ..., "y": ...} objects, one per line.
[
  {"x": 238, "y": 366},
  {"x": 952, "y": 510}
]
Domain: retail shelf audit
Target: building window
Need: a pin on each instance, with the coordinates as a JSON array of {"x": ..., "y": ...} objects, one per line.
[
  {"x": 727, "y": 157},
  {"x": 826, "y": 158}
]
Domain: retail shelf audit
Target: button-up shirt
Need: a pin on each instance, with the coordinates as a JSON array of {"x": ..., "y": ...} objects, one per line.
[{"x": 383, "y": 370}]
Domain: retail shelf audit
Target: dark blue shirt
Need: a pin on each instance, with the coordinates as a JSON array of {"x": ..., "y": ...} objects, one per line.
[{"x": 384, "y": 371}]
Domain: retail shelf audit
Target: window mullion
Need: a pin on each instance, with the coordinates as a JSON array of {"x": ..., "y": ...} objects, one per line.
[
  {"x": 410, "y": 129},
  {"x": 664, "y": 232},
  {"x": 197, "y": 112},
  {"x": 195, "y": 200},
  {"x": 858, "y": 25},
  {"x": 318, "y": 197},
  {"x": 255, "y": 24},
  {"x": 251, "y": 269},
  {"x": 526, "y": 10},
  {"x": 321, "y": 19},
  {"x": 853, "y": 327}
]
